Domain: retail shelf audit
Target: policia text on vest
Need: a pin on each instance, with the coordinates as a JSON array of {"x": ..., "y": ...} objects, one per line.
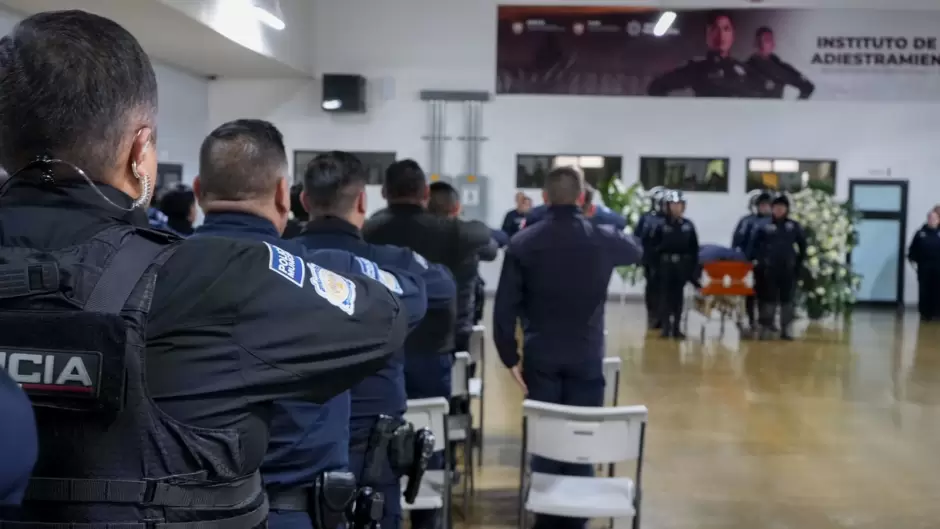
[{"x": 64, "y": 372}]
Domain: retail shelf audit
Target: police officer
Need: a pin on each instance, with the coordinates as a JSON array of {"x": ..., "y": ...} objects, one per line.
[
  {"x": 674, "y": 245},
  {"x": 18, "y": 447},
  {"x": 247, "y": 197},
  {"x": 155, "y": 217},
  {"x": 179, "y": 206},
  {"x": 778, "y": 246},
  {"x": 335, "y": 196},
  {"x": 924, "y": 255},
  {"x": 512, "y": 222},
  {"x": 718, "y": 74},
  {"x": 771, "y": 73},
  {"x": 644, "y": 228},
  {"x": 554, "y": 278},
  {"x": 298, "y": 216},
  {"x": 151, "y": 362},
  {"x": 599, "y": 215},
  {"x": 759, "y": 206}
]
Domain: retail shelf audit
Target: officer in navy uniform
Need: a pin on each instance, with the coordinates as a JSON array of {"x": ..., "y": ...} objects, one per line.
[
  {"x": 247, "y": 197},
  {"x": 778, "y": 246},
  {"x": 924, "y": 255},
  {"x": 773, "y": 74},
  {"x": 512, "y": 222},
  {"x": 152, "y": 363},
  {"x": 644, "y": 228},
  {"x": 718, "y": 74},
  {"x": 674, "y": 247},
  {"x": 598, "y": 214},
  {"x": 18, "y": 448},
  {"x": 759, "y": 206},
  {"x": 335, "y": 196},
  {"x": 554, "y": 278}
]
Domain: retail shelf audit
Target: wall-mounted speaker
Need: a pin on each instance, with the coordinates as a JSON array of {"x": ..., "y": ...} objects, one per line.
[{"x": 343, "y": 93}]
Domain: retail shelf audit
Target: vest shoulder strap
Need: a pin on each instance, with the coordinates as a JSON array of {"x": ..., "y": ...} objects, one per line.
[{"x": 118, "y": 280}]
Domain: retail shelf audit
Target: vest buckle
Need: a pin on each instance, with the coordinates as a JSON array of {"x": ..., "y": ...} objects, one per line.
[{"x": 150, "y": 493}]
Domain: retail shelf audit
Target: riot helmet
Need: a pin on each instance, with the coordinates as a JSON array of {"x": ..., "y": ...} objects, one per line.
[
  {"x": 780, "y": 199},
  {"x": 673, "y": 196}
]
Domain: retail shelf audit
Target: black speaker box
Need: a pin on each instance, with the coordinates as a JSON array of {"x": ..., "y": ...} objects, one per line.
[{"x": 344, "y": 93}]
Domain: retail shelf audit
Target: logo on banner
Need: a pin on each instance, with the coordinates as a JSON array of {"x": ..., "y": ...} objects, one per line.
[
  {"x": 286, "y": 264},
  {"x": 336, "y": 289}
]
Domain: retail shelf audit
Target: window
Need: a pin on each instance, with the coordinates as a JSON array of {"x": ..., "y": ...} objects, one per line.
[
  {"x": 791, "y": 175},
  {"x": 169, "y": 175},
  {"x": 598, "y": 170},
  {"x": 376, "y": 163},
  {"x": 686, "y": 174}
]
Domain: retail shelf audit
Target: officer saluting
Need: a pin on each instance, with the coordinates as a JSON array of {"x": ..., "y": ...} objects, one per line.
[
  {"x": 779, "y": 248},
  {"x": 759, "y": 207},
  {"x": 334, "y": 193},
  {"x": 246, "y": 197},
  {"x": 674, "y": 245},
  {"x": 554, "y": 278},
  {"x": 151, "y": 363},
  {"x": 644, "y": 228},
  {"x": 718, "y": 74},
  {"x": 771, "y": 73}
]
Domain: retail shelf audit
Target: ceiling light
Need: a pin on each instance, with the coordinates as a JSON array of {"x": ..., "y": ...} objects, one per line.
[
  {"x": 786, "y": 166},
  {"x": 268, "y": 12},
  {"x": 332, "y": 104},
  {"x": 664, "y": 23},
  {"x": 591, "y": 162},
  {"x": 565, "y": 161},
  {"x": 760, "y": 166}
]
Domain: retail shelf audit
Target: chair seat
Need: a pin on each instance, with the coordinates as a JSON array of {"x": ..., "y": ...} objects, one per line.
[
  {"x": 429, "y": 494},
  {"x": 476, "y": 387},
  {"x": 457, "y": 427},
  {"x": 580, "y": 497}
]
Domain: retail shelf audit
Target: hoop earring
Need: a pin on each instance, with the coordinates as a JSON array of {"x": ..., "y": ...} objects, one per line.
[{"x": 144, "y": 197}]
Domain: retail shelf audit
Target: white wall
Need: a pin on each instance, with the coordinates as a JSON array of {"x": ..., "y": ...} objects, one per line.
[
  {"x": 184, "y": 111},
  {"x": 450, "y": 44}
]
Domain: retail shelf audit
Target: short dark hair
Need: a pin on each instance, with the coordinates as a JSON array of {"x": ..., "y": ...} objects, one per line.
[
  {"x": 178, "y": 202},
  {"x": 71, "y": 85},
  {"x": 332, "y": 182},
  {"x": 762, "y": 30},
  {"x": 404, "y": 179},
  {"x": 443, "y": 198},
  {"x": 241, "y": 160},
  {"x": 711, "y": 18},
  {"x": 564, "y": 185}
]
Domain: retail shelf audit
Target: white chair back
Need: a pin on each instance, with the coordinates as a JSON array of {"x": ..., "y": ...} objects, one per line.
[
  {"x": 476, "y": 344},
  {"x": 432, "y": 414},
  {"x": 459, "y": 381},
  {"x": 588, "y": 435},
  {"x": 611, "y": 379}
]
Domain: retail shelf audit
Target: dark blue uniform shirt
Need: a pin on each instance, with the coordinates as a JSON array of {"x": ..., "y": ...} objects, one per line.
[
  {"x": 512, "y": 223},
  {"x": 384, "y": 392},
  {"x": 777, "y": 243},
  {"x": 306, "y": 438},
  {"x": 555, "y": 277},
  {"x": 603, "y": 216},
  {"x": 18, "y": 443},
  {"x": 925, "y": 249}
]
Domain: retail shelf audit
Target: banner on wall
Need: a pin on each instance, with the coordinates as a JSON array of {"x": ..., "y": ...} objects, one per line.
[{"x": 827, "y": 54}]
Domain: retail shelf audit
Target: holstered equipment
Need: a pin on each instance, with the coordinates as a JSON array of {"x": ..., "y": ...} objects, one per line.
[
  {"x": 368, "y": 509},
  {"x": 328, "y": 502},
  {"x": 408, "y": 452}
]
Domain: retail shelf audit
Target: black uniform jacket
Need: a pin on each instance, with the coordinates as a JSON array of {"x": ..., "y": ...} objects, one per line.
[{"x": 230, "y": 324}]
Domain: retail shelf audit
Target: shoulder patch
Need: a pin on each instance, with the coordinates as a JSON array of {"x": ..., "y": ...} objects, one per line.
[
  {"x": 369, "y": 269},
  {"x": 421, "y": 260},
  {"x": 391, "y": 282},
  {"x": 286, "y": 264},
  {"x": 338, "y": 290}
]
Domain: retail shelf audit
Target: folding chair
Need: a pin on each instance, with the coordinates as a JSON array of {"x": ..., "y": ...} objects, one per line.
[
  {"x": 460, "y": 427},
  {"x": 611, "y": 380},
  {"x": 478, "y": 358},
  {"x": 435, "y": 489},
  {"x": 584, "y": 435}
]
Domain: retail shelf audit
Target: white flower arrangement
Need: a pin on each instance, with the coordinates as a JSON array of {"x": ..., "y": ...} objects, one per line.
[{"x": 828, "y": 283}]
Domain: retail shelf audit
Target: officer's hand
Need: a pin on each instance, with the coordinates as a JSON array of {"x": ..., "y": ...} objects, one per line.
[{"x": 517, "y": 374}]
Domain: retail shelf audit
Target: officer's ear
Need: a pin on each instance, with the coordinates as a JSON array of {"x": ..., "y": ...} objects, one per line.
[
  {"x": 545, "y": 198},
  {"x": 305, "y": 201},
  {"x": 282, "y": 197},
  {"x": 361, "y": 204},
  {"x": 197, "y": 190}
]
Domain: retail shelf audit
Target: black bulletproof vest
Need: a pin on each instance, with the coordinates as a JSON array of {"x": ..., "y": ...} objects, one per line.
[{"x": 72, "y": 333}]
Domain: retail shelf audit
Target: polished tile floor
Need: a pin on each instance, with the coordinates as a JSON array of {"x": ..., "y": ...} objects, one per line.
[{"x": 839, "y": 429}]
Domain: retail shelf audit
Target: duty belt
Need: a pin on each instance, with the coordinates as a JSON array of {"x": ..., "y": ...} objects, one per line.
[
  {"x": 673, "y": 257},
  {"x": 333, "y": 502},
  {"x": 407, "y": 451},
  {"x": 149, "y": 493}
]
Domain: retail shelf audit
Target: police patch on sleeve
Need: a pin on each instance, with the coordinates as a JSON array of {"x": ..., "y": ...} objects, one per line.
[
  {"x": 421, "y": 260},
  {"x": 286, "y": 264},
  {"x": 390, "y": 281},
  {"x": 369, "y": 269},
  {"x": 338, "y": 290}
]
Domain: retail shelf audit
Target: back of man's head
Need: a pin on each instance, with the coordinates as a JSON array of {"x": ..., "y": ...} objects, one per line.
[
  {"x": 405, "y": 182},
  {"x": 334, "y": 183},
  {"x": 564, "y": 186},
  {"x": 241, "y": 160},
  {"x": 443, "y": 200},
  {"x": 76, "y": 87}
]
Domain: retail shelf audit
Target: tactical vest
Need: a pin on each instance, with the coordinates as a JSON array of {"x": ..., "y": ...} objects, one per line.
[{"x": 72, "y": 333}]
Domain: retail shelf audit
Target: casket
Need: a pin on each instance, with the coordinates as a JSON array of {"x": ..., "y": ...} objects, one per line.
[{"x": 727, "y": 278}]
